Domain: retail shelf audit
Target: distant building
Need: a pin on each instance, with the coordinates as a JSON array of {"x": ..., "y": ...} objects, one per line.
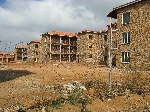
[
  {"x": 21, "y": 53},
  {"x": 34, "y": 51},
  {"x": 92, "y": 47},
  {"x": 133, "y": 35},
  {"x": 59, "y": 46},
  {"x": 7, "y": 57}
]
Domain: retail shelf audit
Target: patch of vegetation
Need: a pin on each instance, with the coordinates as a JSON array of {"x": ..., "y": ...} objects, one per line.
[
  {"x": 133, "y": 84},
  {"x": 57, "y": 104}
]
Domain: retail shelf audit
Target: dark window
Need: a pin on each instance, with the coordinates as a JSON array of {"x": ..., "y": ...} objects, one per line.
[
  {"x": 71, "y": 48},
  {"x": 106, "y": 49},
  {"x": 48, "y": 45},
  {"x": 126, "y": 37},
  {"x": 36, "y": 53},
  {"x": 57, "y": 47},
  {"x": 126, "y": 57},
  {"x": 90, "y": 36},
  {"x": 105, "y": 37},
  {"x": 36, "y": 45},
  {"x": 126, "y": 18},
  {"x": 35, "y": 59},
  {"x": 90, "y": 46},
  {"x": 90, "y": 56},
  {"x": 105, "y": 58}
]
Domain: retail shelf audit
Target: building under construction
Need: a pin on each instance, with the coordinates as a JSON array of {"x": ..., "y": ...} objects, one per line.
[
  {"x": 92, "y": 47},
  {"x": 21, "y": 53},
  {"x": 34, "y": 51},
  {"x": 58, "y": 47}
]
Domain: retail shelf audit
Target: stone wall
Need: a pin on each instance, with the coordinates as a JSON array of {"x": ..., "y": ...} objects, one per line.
[
  {"x": 34, "y": 51},
  {"x": 90, "y": 47},
  {"x": 138, "y": 27}
]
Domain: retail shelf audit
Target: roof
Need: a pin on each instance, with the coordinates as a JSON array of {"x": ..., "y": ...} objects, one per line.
[
  {"x": 21, "y": 46},
  {"x": 62, "y": 33},
  {"x": 88, "y": 31},
  {"x": 103, "y": 31},
  {"x": 113, "y": 13},
  {"x": 8, "y": 53},
  {"x": 36, "y": 41},
  {"x": 8, "y": 56},
  {"x": 92, "y": 31}
]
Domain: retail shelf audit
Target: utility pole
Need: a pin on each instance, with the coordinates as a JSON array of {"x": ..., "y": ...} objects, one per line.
[{"x": 110, "y": 57}]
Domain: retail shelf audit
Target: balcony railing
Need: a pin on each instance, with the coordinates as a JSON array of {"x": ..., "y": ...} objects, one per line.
[
  {"x": 55, "y": 42},
  {"x": 73, "y": 51},
  {"x": 55, "y": 51},
  {"x": 73, "y": 43}
]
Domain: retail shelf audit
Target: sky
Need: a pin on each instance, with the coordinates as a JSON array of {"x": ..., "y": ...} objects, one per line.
[{"x": 25, "y": 20}]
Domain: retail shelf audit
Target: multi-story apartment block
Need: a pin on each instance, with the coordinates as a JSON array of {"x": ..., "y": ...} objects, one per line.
[
  {"x": 21, "y": 53},
  {"x": 7, "y": 57},
  {"x": 59, "y": 46},
  {"x": 92, "y": 47},
  {"x": 133, "y": 34},
  {"x": 34, "y": 51}
]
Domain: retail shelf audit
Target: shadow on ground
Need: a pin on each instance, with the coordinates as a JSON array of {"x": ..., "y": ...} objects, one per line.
[{"x": 7, "y": 75}]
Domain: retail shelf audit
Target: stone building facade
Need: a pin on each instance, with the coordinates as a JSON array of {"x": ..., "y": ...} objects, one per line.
[
  {"x": 92, "y": 47},
  {"x": 21, "y": 53},
  {"x": 34, "y": 51},
  {"x": 133, "y": 35},
  {"x": 59, "y": 46}
]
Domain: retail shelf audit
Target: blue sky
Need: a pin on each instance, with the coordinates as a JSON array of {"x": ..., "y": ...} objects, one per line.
[
  {"x": 26, "y": 20},
  {"x": 2, "y": 2}
]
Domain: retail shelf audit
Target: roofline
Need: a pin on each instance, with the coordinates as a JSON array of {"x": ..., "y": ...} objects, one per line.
[
  {"x": 61, "y": 33},
  {"x": 113, "y": 13}
]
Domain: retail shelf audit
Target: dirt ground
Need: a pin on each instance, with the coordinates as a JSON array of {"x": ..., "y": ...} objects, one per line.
[{"x": 29, "y": 83}]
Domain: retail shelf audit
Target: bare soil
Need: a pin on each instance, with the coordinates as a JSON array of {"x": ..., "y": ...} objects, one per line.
[{"x": 30, "y": 83}]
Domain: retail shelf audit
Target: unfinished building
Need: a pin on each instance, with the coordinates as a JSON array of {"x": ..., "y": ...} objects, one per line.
[
  {"x": 92, "y": 47},
  {"x": 133, "y": 35},
  {"x": 6, "y": 57},
  {"x": 21, "y": 53},
  {"x": 59, "y": 46},
  {"x": 34, "y": 51}
]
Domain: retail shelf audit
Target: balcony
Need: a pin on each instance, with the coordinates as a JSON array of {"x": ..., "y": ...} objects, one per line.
[
  {"x": 19, "y": 55},
  {"x": 73, "y": 51},
  {"x": 19, "y": 51},
  {"x": 55, "y": 51},
  {"x": 65, "y": 42},
  {"x": 55, "y": 42},
  {"x": 73, "y": 43},
  {"x": 65, "y": 52}
]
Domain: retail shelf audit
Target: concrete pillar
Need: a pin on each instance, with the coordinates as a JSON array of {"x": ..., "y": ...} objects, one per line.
[
  {"x": 69, "y": 49},
  {"x": 22, "y": 53},
  {"x": 60, "y": 48},
  {"x": 50, "y": 47}
]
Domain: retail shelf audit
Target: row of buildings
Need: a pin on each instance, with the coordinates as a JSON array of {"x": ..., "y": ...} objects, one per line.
[{"x": 127, "y": 40}]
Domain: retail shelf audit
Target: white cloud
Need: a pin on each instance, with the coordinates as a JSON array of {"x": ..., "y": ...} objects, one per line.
[{"x": 26, "y": 20}]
